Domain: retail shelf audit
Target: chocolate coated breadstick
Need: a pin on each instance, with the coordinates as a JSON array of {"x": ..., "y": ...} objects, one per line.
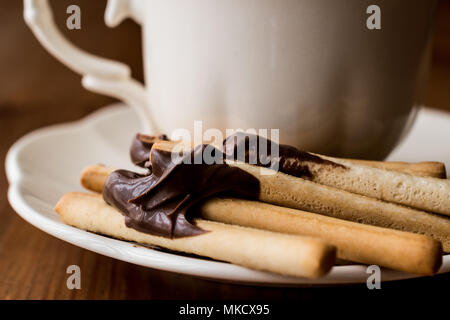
[
  {"x": 257, "y": 249},
  {"x": 423, "y": 169}
]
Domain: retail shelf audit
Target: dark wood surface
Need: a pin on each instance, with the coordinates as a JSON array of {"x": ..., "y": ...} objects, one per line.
[{"x": 37, "y": 91}]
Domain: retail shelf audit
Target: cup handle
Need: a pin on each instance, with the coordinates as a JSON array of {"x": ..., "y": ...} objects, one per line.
[{"x": 100, "y": 75}]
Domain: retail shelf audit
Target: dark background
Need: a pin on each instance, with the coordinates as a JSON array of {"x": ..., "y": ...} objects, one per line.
[{"x": 36, "y": 90}]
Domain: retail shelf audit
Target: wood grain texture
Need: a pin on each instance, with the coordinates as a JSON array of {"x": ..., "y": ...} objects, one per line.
[{"x": 32, "y": 263}]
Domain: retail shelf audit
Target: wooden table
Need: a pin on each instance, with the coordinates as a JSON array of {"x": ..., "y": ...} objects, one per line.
[{"x": 32, "y": 263}]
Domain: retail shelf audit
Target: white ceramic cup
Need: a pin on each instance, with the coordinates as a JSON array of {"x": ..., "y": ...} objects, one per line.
[{"x": 310, "y": 68}]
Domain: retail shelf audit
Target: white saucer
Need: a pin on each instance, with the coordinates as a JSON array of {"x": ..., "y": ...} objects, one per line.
[{"x": 46, "y": 163}]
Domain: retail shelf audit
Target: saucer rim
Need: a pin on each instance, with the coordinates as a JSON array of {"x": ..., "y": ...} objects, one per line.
[{"x": 129, "y": 252}]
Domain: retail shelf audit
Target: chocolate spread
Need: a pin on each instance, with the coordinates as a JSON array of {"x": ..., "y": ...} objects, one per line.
[
  {"x": 141, "y": 146},
  {"x": 158, "y": 202}
]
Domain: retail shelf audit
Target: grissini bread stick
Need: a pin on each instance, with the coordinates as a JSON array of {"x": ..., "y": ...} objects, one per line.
[
  {"x": 357, "y": 242},
  {"x": 288, "y": 191},
  {"x": 423, "y": 169},
  {"x": 93, "y": 177},
  {"x": 425, "y": 193},
  {"x": 96, "y": 178},
  {"x": 433, "y": 169},
  {"x": 284, "y": 254}
]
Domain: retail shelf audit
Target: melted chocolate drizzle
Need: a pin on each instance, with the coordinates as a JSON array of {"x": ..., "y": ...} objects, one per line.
[{"x": 258, "y": 150}]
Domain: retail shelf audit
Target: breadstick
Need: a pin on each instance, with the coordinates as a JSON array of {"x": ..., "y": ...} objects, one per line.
[
  {"x": 423, "y": 169},
  {"x": 425, "y": 193},
  {"x": 257, "y": 249},
  {"x": 357, "y": 242},
  {"x": 93, "y": 178},
  {"x": 288, "y": 191}
]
